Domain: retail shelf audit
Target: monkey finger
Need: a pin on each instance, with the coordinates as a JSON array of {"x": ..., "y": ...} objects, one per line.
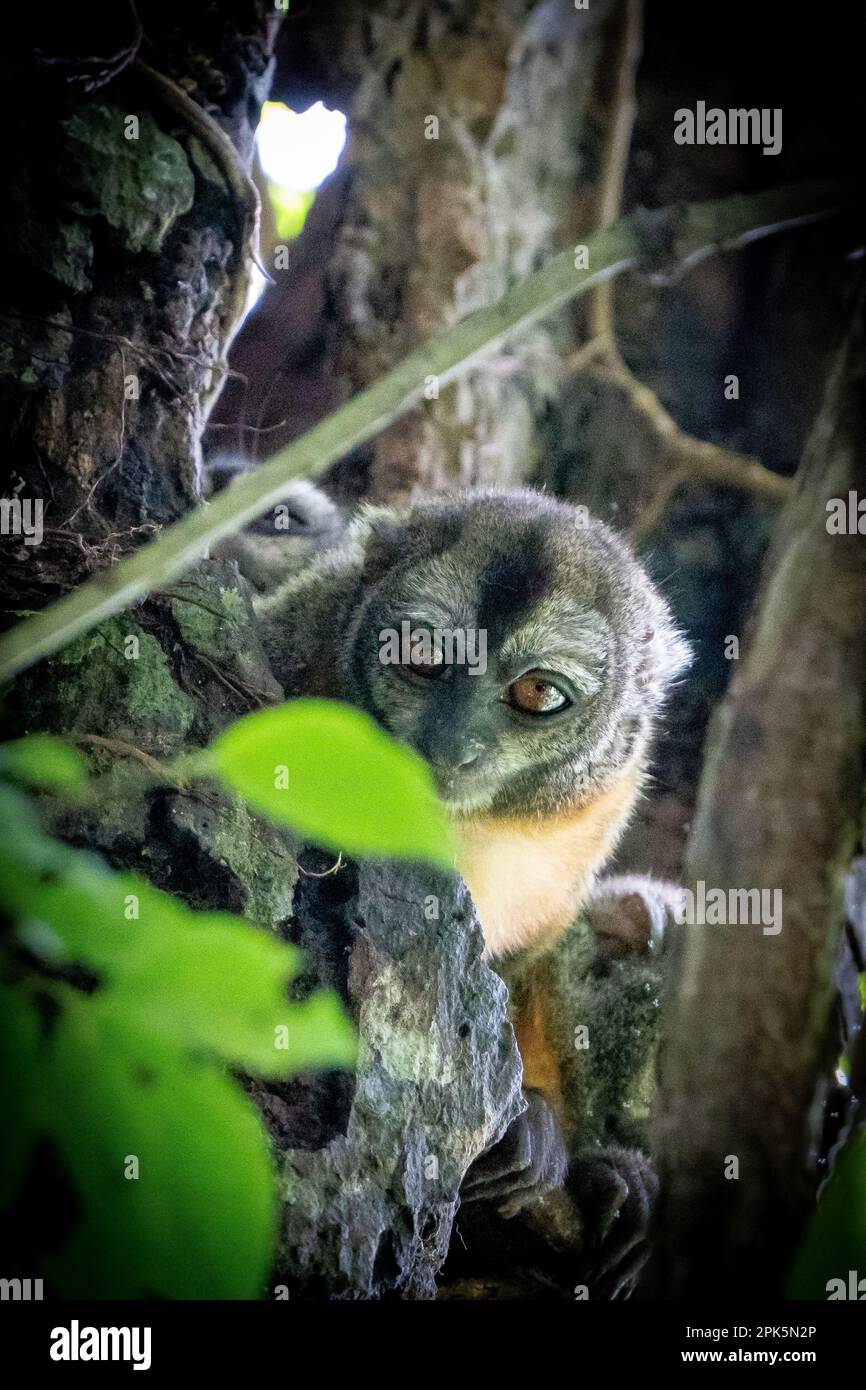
[
  {"x": 601, "y": 1191},
  {"x": 513, "y": 1154},
  {"x": 620, "y": 1247},
  {"x": 620, "y": 1282},
  {"x": 530, "y": 1156}
]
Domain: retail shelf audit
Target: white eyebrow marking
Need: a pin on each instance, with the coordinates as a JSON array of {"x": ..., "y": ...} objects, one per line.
[{"x": 563, "y": 638}]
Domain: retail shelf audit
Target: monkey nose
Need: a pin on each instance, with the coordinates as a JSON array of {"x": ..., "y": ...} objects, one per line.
[
  {"x": 451, "y": 763},
  {"x": 464, "y": 758}
]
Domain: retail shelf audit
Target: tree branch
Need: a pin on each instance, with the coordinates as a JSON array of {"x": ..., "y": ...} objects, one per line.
[
  {"x": 682, "y": 456},
  {"x": 615, "y": 162},
  {"x": 778, "y": 812},
  {"x": 660, "y": 242}
]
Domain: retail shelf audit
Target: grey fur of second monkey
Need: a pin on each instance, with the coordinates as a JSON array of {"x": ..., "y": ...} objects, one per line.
[{"x": 286, "y": 540}]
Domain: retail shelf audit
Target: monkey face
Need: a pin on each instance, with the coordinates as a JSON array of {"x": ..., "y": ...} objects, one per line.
[
  {"x": 285, "y": 540},
  {"x": 514, "y": 644}
]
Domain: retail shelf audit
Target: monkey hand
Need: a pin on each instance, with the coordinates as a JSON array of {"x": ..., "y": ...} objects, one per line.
[
  {"x": 528, "y": 1160},
  {"x": 615, "y": 1190}
]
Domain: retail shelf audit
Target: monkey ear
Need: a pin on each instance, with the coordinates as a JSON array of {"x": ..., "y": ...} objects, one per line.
[
  {"x": 630, "y": 913},
  {"x": 384, "y": 539},
  {"x": 664, "y": 654},
  {"x": 388, "y": 539}
]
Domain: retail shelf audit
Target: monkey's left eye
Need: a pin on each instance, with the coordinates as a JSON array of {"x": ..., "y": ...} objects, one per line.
[{"x": 533, "y": 694}]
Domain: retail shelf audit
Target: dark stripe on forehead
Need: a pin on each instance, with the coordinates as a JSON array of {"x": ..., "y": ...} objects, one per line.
[
  {"x": 512, "y": 583},
  {"x": 445, "y": 720},
  {"x": 428, "y": 536}
]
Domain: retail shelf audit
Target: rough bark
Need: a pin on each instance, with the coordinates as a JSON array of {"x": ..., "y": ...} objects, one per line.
[
  {"x": 123, "y": 264},
  {"x": 370, "y": 1214},
  {"x": 779, "y": 808},
  {"x": 414, "y": 232},
  {"x": 137, "y": 250}
]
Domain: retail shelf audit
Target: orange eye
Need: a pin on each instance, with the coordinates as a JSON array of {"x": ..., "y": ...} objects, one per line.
[{"x": 535, "y": 695}]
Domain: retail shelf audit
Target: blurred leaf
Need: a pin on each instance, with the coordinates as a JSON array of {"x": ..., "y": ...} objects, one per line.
[
  {"x": 331, "y": 773},
  {"x": 198, "y": 1220},
  {"x": 208, "y": 979},
  {"x": 20, "y": 1054},
  {"x": 222, "y": 984},
  {"x": 835, "y": 1242},
  {"x": 290, "y": 209},
  {"x": 134, "y": 1068},
  {"x": 88, "y": 907},
  {"x": 43, "y": 761}
]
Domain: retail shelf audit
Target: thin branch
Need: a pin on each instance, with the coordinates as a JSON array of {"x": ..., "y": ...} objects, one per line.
[
  {"x": 240, "y": 689},
  {"x": 682, "y": 456},
  {"x": 118, "y": 454},
  {"x": 685, "y": 458},
  {"x": 308, "y": 873},
  {"x": 121, "y": 749},
  {"x": 635, "y": 241},
  {"x": 651, "y": 515},
  {"x": 252, "y": 429},
  {"x": 615, "y": 161}
]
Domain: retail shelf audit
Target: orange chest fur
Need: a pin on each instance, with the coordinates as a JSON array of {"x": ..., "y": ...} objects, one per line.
[{"x": 528, "y": 876}]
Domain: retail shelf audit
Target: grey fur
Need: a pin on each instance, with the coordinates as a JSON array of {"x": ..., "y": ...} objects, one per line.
[
  {"x": 286, "y": 539},
  {"x": 552, "y": 590}
]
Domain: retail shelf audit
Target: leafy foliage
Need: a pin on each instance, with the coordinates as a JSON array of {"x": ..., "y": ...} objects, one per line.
[
  {"x": 127, "y": 1077},
  {"x": 329, "y": 772},
  {"x": 835, "y": 1242},
  {"x": 123, "y": 1011},
  {"x": 44, "y": 761}
]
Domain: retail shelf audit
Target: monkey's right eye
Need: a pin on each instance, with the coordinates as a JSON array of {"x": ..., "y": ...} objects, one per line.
[
  {"x": 534, "y": 694},
  {"x": 428, "y": 664},
  {"x": 423, "y": 655}
]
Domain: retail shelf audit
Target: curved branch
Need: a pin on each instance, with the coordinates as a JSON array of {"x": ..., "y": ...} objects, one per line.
[{"x": 683, "y": 457}]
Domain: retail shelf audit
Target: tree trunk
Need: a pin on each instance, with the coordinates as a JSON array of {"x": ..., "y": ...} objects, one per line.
[
  {"x": 124, "y": 267},
  {"x": 470, "y": 161},
  {"x": 779, "y": 809},
  {"x": 118, "y": 312}
]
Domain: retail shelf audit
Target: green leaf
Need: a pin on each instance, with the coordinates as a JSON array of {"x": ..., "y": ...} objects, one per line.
[
  {"x": 222, "y": 985},
  {"x": 835, "y": 1242},
  {"x": 207, "y": 979},
  {"x": 198, "y": 1220},
  {"x": 101, "y": 919},
  {"x": 43, "y": 761},
  {"x": 24, "y": 840},
  {"x": 132, "y": 1073},
  {"x": 290, "y": 209},
  {"x": 20, "y": 1087},
  {"x": 331, "y": 773}
]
